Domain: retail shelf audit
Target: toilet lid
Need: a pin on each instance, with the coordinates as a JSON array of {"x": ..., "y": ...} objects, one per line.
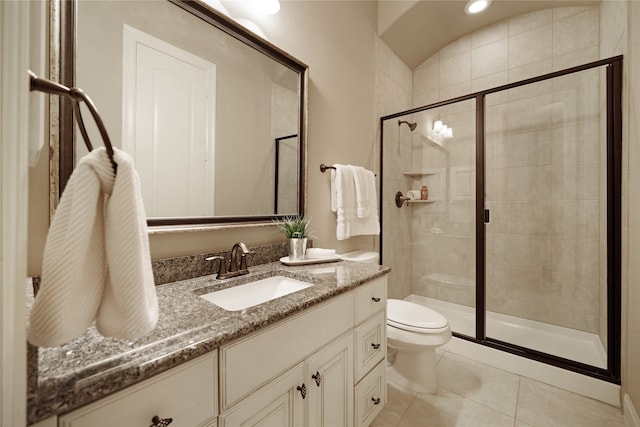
[{"x": 405, "y": 315}]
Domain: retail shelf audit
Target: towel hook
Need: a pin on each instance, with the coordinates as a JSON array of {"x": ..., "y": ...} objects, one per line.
[{"x": 76, "y": 95}]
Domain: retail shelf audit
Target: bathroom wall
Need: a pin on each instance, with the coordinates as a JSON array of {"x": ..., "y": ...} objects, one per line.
[
  {"x": 393, "y": 91},
  {"x": 522, "y": 47},
  {"x": 337, "y": 40}
]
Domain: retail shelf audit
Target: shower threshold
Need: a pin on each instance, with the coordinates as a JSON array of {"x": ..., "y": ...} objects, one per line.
[{"x": 568, "y": 343}]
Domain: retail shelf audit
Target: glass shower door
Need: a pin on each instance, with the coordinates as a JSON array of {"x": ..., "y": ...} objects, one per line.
[
  {"x": 546, "y": 235},
  {"x": 443, "y": 227}
]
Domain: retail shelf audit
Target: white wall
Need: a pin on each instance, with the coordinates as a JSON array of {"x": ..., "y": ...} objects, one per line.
[
  {"x": 394, "y": 86},
  {"x": 14, "y": 136},
  {"x": 342, "y": 119}
]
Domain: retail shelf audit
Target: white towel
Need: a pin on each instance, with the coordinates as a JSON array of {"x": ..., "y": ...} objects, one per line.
[
  {"x": 318, "y": 253},
  {"x": 344, "y": 203},
  {"x": 96, "y": 263},
  {"x": 365, "y": 181}
]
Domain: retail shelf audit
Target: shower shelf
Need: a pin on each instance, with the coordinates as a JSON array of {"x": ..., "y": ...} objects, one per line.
[
  {"x": 422, "y": 201},
  {"x": 419, "y": 173}
]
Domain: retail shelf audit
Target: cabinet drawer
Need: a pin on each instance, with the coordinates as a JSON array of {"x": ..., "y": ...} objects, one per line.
[
  {"x": 186, "y": 393},
  {"x": 371, "y": 344},
  {"x": 371, "y": 395},
  {"x": 371, "y": 298},
  {"x": 252, "y": 361}
]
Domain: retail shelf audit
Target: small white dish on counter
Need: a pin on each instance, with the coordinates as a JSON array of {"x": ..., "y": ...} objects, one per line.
[{"x": 306, "y": 261}]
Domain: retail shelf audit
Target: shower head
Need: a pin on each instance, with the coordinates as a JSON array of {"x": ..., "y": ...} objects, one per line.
[{"x": 412, "y": 126}]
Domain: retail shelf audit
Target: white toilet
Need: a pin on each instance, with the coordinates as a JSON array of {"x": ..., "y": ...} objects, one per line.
[{"x": 413, "y": 333}]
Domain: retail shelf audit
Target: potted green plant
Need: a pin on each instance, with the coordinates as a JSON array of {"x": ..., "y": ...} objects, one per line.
[{"x": 297, "y": 231}]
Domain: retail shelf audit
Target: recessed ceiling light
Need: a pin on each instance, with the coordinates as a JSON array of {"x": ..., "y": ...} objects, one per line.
[{"x": 476, "y": 6}]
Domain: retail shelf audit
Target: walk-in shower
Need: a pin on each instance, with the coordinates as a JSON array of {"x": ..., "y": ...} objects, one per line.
[{"x": 518, "y": 243}]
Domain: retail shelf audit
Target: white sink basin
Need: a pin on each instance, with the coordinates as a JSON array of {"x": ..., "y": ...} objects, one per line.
[{"x": 254, "y": 293}]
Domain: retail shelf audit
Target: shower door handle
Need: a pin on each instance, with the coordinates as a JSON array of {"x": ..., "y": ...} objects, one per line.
[{"x": 487, "y": 216}]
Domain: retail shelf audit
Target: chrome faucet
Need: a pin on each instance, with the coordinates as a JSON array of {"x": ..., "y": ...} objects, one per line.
[{"x": 234, "y": 269}]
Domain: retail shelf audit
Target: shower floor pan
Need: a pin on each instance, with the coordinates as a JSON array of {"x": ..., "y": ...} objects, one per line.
[{"x": 571, "y": 344}]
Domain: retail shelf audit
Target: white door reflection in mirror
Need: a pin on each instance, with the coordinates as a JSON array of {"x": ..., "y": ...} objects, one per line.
[{"x": 169, "y": 125}]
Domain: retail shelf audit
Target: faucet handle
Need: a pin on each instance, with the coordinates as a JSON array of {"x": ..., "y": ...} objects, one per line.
[
  {"x": 243, "y": 261},
  {"x": 223, "y": 265}
]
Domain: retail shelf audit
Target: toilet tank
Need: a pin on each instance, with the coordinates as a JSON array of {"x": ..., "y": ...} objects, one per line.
[{"x": 370, "y": 257}]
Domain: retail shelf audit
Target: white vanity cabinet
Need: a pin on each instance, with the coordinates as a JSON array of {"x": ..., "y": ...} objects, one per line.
[
  {"x": 322, "y": 367},
  {"x": 187, "y": 394},
  {"x": 319, "y": 339},
  {"x": 324, "y": 382},
  {"x": 325, "y": 365}
]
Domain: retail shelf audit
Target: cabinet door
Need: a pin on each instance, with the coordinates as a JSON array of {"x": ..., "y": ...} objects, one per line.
[
  {"x": 330, "y": 384},
  {"x": 281, "y": 403}
]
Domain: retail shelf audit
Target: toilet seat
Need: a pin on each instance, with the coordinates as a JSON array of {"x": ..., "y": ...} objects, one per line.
[{"x": 414, "y": 317}]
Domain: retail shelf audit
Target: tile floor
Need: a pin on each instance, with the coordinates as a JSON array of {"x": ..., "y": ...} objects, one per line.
[{"x": 477, "y": 395}]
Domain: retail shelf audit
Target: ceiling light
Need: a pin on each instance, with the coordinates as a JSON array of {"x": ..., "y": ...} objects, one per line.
[{"x": 476, "y": 6}]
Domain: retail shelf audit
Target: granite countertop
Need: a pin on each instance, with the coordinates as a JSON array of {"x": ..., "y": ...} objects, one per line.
[{"x": 92, "y": 366}]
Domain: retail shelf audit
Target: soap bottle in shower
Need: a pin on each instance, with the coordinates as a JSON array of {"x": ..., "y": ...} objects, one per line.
[{"x": 424, "y": 193}]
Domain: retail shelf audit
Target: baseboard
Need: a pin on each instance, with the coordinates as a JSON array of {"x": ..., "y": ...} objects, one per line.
[{"x": 630, "y": 414}]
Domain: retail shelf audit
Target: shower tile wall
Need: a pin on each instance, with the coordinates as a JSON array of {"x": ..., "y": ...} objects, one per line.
[
  {"x": 543, "y": 241},
  {"x": 541, "y": 166},
  {"x": 394, "y": 90}
]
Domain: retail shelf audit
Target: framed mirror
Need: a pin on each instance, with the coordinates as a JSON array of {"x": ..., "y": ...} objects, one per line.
[{"x": 213, "y": 115}]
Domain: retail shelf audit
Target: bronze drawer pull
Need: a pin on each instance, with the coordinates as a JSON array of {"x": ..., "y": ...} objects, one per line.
[
  {"x": 160, "y": 422},
  {"x": 375, "y": 299},
  {"x": 303, "y": 390},
  {"x": 375, "y": 401}
]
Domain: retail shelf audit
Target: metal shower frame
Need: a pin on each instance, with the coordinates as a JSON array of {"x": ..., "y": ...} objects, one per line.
[{"x": 614, "y": 202}]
